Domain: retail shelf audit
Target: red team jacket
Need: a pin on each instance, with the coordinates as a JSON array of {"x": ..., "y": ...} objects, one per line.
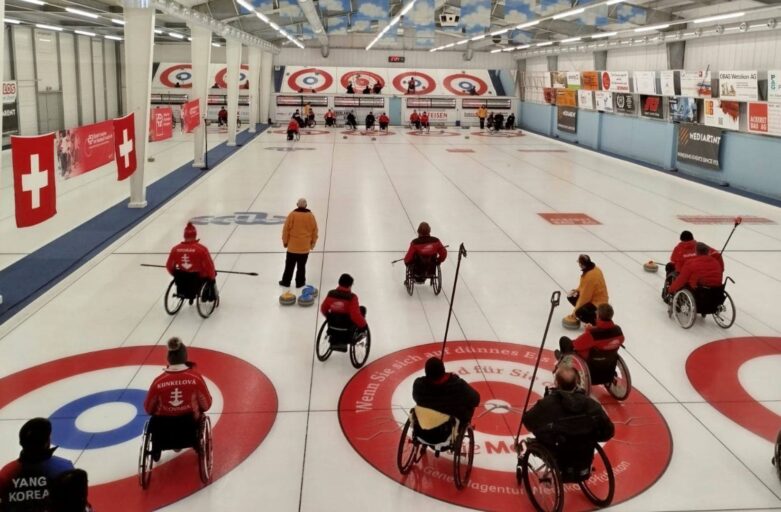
[
  {"x": 191, "y": 257},
  {"x": 604, "y": 336},
  {"x": 425, "y": 246},
  {"x": 414, "y": 118},
  {"x": 424, "y": 119},
  {"x": 343, "y": 301},
  {"x": 682, "y": 252},
  {"x": 384, "y": 119},
  {"x": 703, "y": 270},
  {"x": 178, "y": 391}
]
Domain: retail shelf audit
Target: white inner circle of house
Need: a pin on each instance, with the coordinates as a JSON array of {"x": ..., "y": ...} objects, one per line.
[
  {"x": 106, "y": 417},
  {"x": 756, "y": 375}
]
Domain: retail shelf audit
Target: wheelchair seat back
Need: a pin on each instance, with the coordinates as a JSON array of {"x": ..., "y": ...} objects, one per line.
[
  {"x": 425, "y": 263},
  {"x": 432, "y": 430},
  {"x": 174, "y": 432},
  {"x": 602, "y": 365},
  {"x": 187, "y": 284},
  {"x": 708, "y": 299},
  {"x": 340, "y": 328}
]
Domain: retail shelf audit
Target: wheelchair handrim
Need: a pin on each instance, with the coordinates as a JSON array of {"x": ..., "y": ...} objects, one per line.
[
  {"x": 590, "y": 487},
  {"x": 550, "y": 495}
]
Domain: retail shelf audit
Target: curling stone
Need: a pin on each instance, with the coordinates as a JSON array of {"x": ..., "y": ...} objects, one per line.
[
  {"x": 309, "y": 290},
  {"x": 287, "y": 299},
  {"x": 650, "y": 266},
  {"x": 466, "y": 136},
  {"x": 344, "y": 137},
  {"x": 374, "y": 138},
  {"x": 570, "y": 322},
  {"x": 306, "y": 300}
]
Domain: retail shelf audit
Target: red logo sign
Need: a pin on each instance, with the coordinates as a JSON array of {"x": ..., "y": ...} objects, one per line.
[
  {"x": 374, "y": 406},
  {"x": 758, "y": 117},
  {"x": 460, "y": 150},
  {"x": 605, "y": 81},
  {"x": 161, "y": 124},
  {"x": 566, "y": 219}
]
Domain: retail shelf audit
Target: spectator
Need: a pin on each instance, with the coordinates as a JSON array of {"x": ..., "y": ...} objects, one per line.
[
  {"x": 350, "y": 88},
  {"x": 377, "y": 89},
  {"x": 299, "y": 236}
]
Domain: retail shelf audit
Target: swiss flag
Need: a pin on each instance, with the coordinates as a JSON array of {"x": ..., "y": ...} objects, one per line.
[
  {"x": 35, "y": 193},
  {"x": 191, "y": 115},
  {"x": 125, "y": 146}
]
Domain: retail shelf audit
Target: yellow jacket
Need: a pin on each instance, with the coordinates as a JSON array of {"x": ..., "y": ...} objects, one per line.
[
  {"x": 592, "y": 288},
  {"x": 299, "y": 234},
  {"x": 482, "y": 112}
]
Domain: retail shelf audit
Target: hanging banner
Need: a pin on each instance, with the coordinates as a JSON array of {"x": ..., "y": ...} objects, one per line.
[
  {"x": 191, "y": 115},
  {"x": 625, "y": 103},
  {"x": 161, "y": 124},
  {"x": 696, "y": 84},
  {"x": 589, "y": 80},
  {"x": 567, "y": 119},
  {"x": 125, "y": 146},
  {"x": 35, "y": 190},
  {"x": 651, "y": 107},
  {"x": 586, "y": 99},
  {"x": 604, "y": 101},
  {"x": 722, "y": 114},
  {"x": 549, "y": 95},
  {"x": 683, "y": 110},
  {"x": 573, "y": 80},
  {"x": 739, "y": 85},
  {"x": 699, "y": 145},
  {"x": 667, "y": 79},
  {"x": 84, "y": 149},
  {"x": 773, "y": 85},
  {"x": 615, "y": 81},
  {"x": 566, "y": 98},
  {"x": 10, "y": 110},
  {"x": 764, "y": 118},
  {"x": 645, "y": 82},
  {"x": 559, "y": 79}
]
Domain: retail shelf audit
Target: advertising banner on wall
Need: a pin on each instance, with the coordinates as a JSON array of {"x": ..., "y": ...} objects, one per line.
[
  {"x": 559, "y": 79},
  {"x": 667, "y": 80},
  {"x": 722, "y": 114},
  {"x": 645, "y": 82},
  {"x": 774, "y": 85},
  {"x": 566, "y": 98},
  {"x": 699, "y": 145},
  {"x": 10, "y": 109},
  {"x": 586, "y": 99},
  {"x": 652, "y": 107},
  {"x": 549, "y": 95},
  {"x": 696, "y": 84},
  {"x": 739, "y": 85},
  {"x": 615, "y": 81},
  {"x": 625, "y": 103},
  {"x": 191, "y": 115},
  {"x": 589, "y": 80},
  {"x": 764, "y": 118},
  {"x": 604, "y": 101},
  {"x": 567, "y": 119},
  {"x": 683, "y": 110},
  {"x": 85, "y": 148},
  {"x": 573, "y": 80},
  {"x": 161, "y": 124}
]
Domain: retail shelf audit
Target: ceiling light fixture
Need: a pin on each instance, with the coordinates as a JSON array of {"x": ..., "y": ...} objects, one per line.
[
  {"x": 546, "y": 43},
  {"x": 653, "y": 27},
  {"x": 613, "y": 2},
  {"x": 262, "y": 17},
  {"x": 175, "y": 35},
  {"x": 11, "y": 20},
  {"x": 500, "y": 32},
  {"x": 217, "y": 45},
  {"x": 477, "y": 38},
  {"x": 113, "y": 38},
  {"x": 34, "y": 2},
  {"x": 392, "y": 23},
  {"x": 463, "y": 41},
  {"x": 118, "y": 22},
  {"x": 571, "y": 40},
  {"x": 569, "y": 13},
  {"x": 496, "y": 51},
  {"x": 528, "y": 24},
  {"x": 720, "y": 17},
  {"x": 84, "y": 33},
  {"x": 82, "y": 13},
  {"x": 246, "y": 5},
  {"x": 48, "y": 27},
  {"x": 604, "y": 34},
  {"x": 158, "y": 31}
]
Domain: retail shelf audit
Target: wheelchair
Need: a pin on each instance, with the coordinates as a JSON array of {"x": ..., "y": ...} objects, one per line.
[
  {"x": 310, "y": 121},
  {"x": 419, "y": 271},
  {"x": 777, "y": 456},
  {"x": 200, "y": 441},
  {"x": 544, "y": 475},
  {"x": 339, "y": 334},
  {"x": 603, "y": 368},
  {"x": 449, "y": 436},
  {"x": 687, "y": 303},
  {"x": 189, "y": 286}
]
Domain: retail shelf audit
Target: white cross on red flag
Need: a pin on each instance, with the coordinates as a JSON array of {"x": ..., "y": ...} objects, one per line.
[
  {"x": 125, "y": 146},
  {"x": 35, "y": 193}
]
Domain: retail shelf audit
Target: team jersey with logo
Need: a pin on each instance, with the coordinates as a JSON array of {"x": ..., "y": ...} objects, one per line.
[
  {"x": 179, "y": 390},
  {"x": 191, "y": 257},
  {"x": 24, "y": 486}
]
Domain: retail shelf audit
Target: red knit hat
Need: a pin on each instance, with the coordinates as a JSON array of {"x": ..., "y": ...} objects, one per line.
[{"x": 190, "y": 232}]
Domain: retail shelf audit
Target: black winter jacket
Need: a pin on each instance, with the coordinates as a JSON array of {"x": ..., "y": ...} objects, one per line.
[{"x": 453, "y": 396}]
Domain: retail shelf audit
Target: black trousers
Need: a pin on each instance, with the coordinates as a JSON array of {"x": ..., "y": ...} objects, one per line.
[
  {"x": 482, "y": 123},
  {"x": 565, "y": 345},
  {"x": 297, "y": 262},
  {"x": 586, "y": 313}
]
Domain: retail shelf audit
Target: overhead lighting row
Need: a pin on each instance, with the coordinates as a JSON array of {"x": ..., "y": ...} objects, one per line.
[
  {"x": 270, "y": 23},
  {"x": 54, "y": 28},
  {"x": 392, "y": 23}
]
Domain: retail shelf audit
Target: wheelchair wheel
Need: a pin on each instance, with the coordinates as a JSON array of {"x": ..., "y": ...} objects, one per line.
[
  {"x": 622, "y": 381},
  {"x": 541, "y": 479},
  {"x": 598, "y": 492},
  {"x": 171, "y": 301},
  {"x": 409, "y": 448},
  {"x": 581, "y": 368},
  {"x": 205, "y": 453},
  {"x": 777, "y": 456},
  {"x": 684, "y": 308},
  {"x": 145, "y": 461},
  {"x": 359, "y": 350},
  {"x": 205, "y": 309},
  {"x": 436, "y": 281},
  {"x": 463, "y": 456},
  {"x": 409, "y": 281},
  {"x": 322, "y": 345},
  {"x": 725, "y": 314}
]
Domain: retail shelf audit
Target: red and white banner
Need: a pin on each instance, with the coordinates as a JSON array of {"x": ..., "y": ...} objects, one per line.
[
  {"x": 125, "y": 146},
  {"x": 161, "y": 124},
  {"x": 764, "y": 118},
  {"x": 191, "y": 115},
  {"x": 84, "y": 148},
  {"x": 35, "y": 192}
]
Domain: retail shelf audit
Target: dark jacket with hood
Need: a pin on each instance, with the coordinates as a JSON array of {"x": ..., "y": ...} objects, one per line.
[{"x": 449, "y": 394}]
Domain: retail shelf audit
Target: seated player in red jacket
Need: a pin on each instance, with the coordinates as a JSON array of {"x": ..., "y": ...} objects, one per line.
[
  {"x": 605, "y": 335},
  {"x": 425, "y": 252},
  {"x": 191, "y": 261},
  {"x": 292, "y": 129},
  {"x": 414, "y": 120},
  {"x": 342, "y": 301},
  {"x": 176, "y": 401},
  {"x": 384, "y": 120},
  {"x": 685, "y": 249},
  {"x": 704, "y": 269},
  {"x": 424, "y": 121}
]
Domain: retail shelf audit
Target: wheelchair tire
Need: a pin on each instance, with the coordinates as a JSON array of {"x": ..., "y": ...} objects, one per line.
[
  {"x": 463, "y": 460},
  {"x": 684, "y": 308},
  {"x": 581, "y": 368},
  {"x": 409, "y": 448},
  {"x": 205, "y": 451},
  {"x": 359, "y": 351},
  {"x": 591, "y": 489},
  {"x": 409, "y": 281},
  {"x": 725, "y": 315},
  {"x": 322, "y": 345},
  {"x": 436, "y": 281},
  {"x": 777, "y": 456},
  {"x": 145, "y": 462},
  {"x": 171, "y": 301},
  {"x": 622, "y": 381},
  {"x": 205, "y": 309},
  {"x": 542, "y": 479}
]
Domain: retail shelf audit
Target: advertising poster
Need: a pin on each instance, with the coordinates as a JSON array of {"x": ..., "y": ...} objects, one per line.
[
  {"x": 683, "y": 110},
  {"x": 589, "y": 80},
  {"x": 739, "y": 85},
  {"x": 191, "y": 115},
  {"x": 615, "y": 81},
  {"x": 722, "y": 114},
  {"x": 559, "y": 79},
  {"x": 652, "y": 107},
  {"x": 85, "y": 148},
  {"x": 549, "y": 95},
  {"x": 696, "y": 84},
  {"x": 764, "y": 118},
  {"x": 604, "y": 101},
  {"x": 586, "y": 99},
  {"x": 566, "y": 98},
  {"x": 773, "y": 85},
  {"x": 10, "y": 110},
  {"x": 573, "y": 80},
  {"x": 625, "y": 103},
  {"x": 699, "y": 145},
  {"x": 161, "y": 124},
  {"x": 645, "y": 82},
  {"x": 567, "y": 119},
  {"x": 667, "y": 79}
]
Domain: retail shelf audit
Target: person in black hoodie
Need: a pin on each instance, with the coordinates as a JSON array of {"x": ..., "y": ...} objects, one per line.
[
  {"x": 351, "y": 120},
  {"x": 569, "y": 423},
  {"x": 445, "y": 392},
  {"x": 370, "y": 121}
]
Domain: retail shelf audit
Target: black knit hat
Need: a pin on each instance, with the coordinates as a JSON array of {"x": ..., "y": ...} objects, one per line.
[
  {"x": 177, "y": 352},
  {"x": 686, "y": 236},
  {"x": 346, "y": 280},
  {"x": 435, "y": 368},
  {"x": 35, "y": 434}
]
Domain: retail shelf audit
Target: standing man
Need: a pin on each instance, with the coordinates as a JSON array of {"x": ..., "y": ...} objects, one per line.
[
  {"x": 482, "y": 113},
  {"x": 299, "y": 236}
]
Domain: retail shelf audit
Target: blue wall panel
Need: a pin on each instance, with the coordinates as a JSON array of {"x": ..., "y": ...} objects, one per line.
[
  {"x": 537, "y": 118},
  {"x": 639, "y": 139}
]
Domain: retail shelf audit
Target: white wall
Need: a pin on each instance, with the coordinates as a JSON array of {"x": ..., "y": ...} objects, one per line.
[
  {"x": 70, "y": 86},
  {"x": 98, "y": 77},
  {"x": 641, "y": 58},
  {"x": 25, "y": 75},
  {"x": 86, "y": 85},
  {"x": 537, "y": 64},
  {"x": 180, "y": 52},
  {"x": 46, "y": 60},
  {"x": 110, "y": 61},
  {"x": 576, "y": 62},
  {"x": 760, "y": 51},
  {"x": 8, "y": 72},
  {"x": 379, "y": 58}
]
